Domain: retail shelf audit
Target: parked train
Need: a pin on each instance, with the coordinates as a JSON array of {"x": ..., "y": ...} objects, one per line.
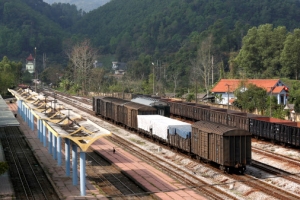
[
  {"x": 276, "y": 130},
  {"x": 228, "y": 147}
]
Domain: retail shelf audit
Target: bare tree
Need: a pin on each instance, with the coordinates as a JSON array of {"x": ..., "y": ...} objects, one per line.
[
  {"x": 204, "y": 63},
  {"x": 82, "y": 57},
  {"x": 175, "y": 77},
  {"x": 194, "y": 76}
]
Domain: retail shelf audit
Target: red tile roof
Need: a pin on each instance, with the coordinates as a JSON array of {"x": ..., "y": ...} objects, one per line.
[
  {"x": 232, "y": 84},
  {"x": 30, "y": 58}
]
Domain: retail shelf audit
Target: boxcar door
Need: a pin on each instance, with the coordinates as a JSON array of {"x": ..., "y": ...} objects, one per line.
[{"x": 204, "y": 141}]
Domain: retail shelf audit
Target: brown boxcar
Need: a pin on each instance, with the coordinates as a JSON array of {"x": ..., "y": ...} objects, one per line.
[
  {"x": 188, "y": 110},
  {"x": 226, "y": 146},
  {"x": 184, "y": 144},
  {"x": 117, "y": 113},
  {"x": 218, "y": 115},
  {"x": 132, "y": 109}
]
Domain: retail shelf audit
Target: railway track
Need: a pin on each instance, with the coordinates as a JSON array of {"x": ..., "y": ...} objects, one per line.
[
  {"x": 183, "y": 176},
  {"x": 259, "y": 185},
  {"x": 251, "y": 181},
  {"x": 111, "y": 181},
  {"x": 274, "y": 170},
  {"x": 188, "y": 179},
  {"x": 28, "y": 178}
]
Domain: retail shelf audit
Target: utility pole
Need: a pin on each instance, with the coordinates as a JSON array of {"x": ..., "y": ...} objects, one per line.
[
  {"x": 227, "y": 95},
  {"x": 35, "y": 68},
  {"x": 153, "y": 77},
  {"x": 44, "y": 61},
  {"x": 271, "y": 90}
]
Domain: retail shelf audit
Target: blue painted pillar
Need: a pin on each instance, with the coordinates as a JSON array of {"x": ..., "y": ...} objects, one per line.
[
  {"x": 67, "y": 156},
  {"x": 41, "y": 131},
  {"x": 26, "y": 115},
  {"x": 38, "y": 127},
  {"x": 50, "y": 142},
  {"x": 59, "y": 151},
  {"x": 32, "y": 121},
  {"x": 54, "y": 146},
  {"x": 44, "y": 134},
  {"x": 82, "y": 173},
  {"x": 23, "y": 111},
  {"x": 74, "y": 164}
]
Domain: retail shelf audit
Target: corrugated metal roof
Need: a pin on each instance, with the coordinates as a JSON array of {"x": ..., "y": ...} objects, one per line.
[
  {"x": 210, "y": 127},
  {"x": 145, "y": 100},
  {"x": 7, "y": 118}
]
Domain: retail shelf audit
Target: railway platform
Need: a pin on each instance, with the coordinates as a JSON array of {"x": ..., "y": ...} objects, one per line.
[
  {"x": 149, "y": 178},
  {"x": 62, "y": 184}
]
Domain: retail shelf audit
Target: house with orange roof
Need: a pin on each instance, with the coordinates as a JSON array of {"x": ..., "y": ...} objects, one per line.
[{"x": 226, "y": 88}]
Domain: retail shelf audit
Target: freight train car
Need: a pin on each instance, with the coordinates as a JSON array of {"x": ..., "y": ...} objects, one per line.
[
  {"x": 121, "y": 111},
  {"x": 276, "y": 130},
  {"x": 228, "y": 147},
  {"x": 162, "y": 108}
]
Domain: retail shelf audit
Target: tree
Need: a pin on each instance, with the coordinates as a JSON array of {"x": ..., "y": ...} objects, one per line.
[
  {"x": 251, "y": 98},
  {"x": 204, "y": 62},
  {"x": 82, "y": 57},
  {"x": 290, "y": 58},
  {"x": 260, "y": 53},
  {"x": 10, "y": 74}
]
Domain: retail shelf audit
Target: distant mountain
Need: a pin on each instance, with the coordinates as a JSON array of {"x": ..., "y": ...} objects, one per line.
[{"x": 86, "y": 5}]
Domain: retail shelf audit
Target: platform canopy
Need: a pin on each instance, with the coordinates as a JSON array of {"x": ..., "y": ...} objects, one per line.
[
  {"x": 62, "y": 122},
  {"x": 7, "y": 118}
]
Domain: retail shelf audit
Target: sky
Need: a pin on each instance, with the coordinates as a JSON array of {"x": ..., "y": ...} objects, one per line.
[{"x": 86, "y": 5}]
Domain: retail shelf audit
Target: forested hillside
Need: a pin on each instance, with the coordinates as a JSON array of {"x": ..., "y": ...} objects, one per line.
[
  {"x": 169, "y": 46},
  {"x": 160, "y": 27},
  {"x": 26, "y": 24}
]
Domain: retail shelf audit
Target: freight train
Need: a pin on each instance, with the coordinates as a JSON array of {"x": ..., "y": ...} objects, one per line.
[
  {"x": 228, "y": 147},
  {"x": 276, "y": 130}
]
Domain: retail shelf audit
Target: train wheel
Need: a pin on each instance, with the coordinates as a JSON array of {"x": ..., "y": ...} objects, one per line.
[
  {"x": 227, "y": 170},
  {"x": 222, "y": 168},
  {"x": 242, "y": 170}
]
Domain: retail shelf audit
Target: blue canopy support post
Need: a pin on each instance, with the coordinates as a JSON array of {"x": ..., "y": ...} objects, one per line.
[
  {"x": 32, "y": 121},
  {"x": 67, "y": 156},
  {"x": 50, "y": 142},
  {"x": 22, "y": 110},
  {"x": 38, "y": 127},
  {"x": 44, "y": 135},
  {"x": 59, "y": 151},
  {"x": 74, "y": 164},
  {"x": 82, "y": 173},
  {"x": 26, "y": 115},
  {"x": 41, "y": 130},
  {"x": 54, "y": 146}
]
